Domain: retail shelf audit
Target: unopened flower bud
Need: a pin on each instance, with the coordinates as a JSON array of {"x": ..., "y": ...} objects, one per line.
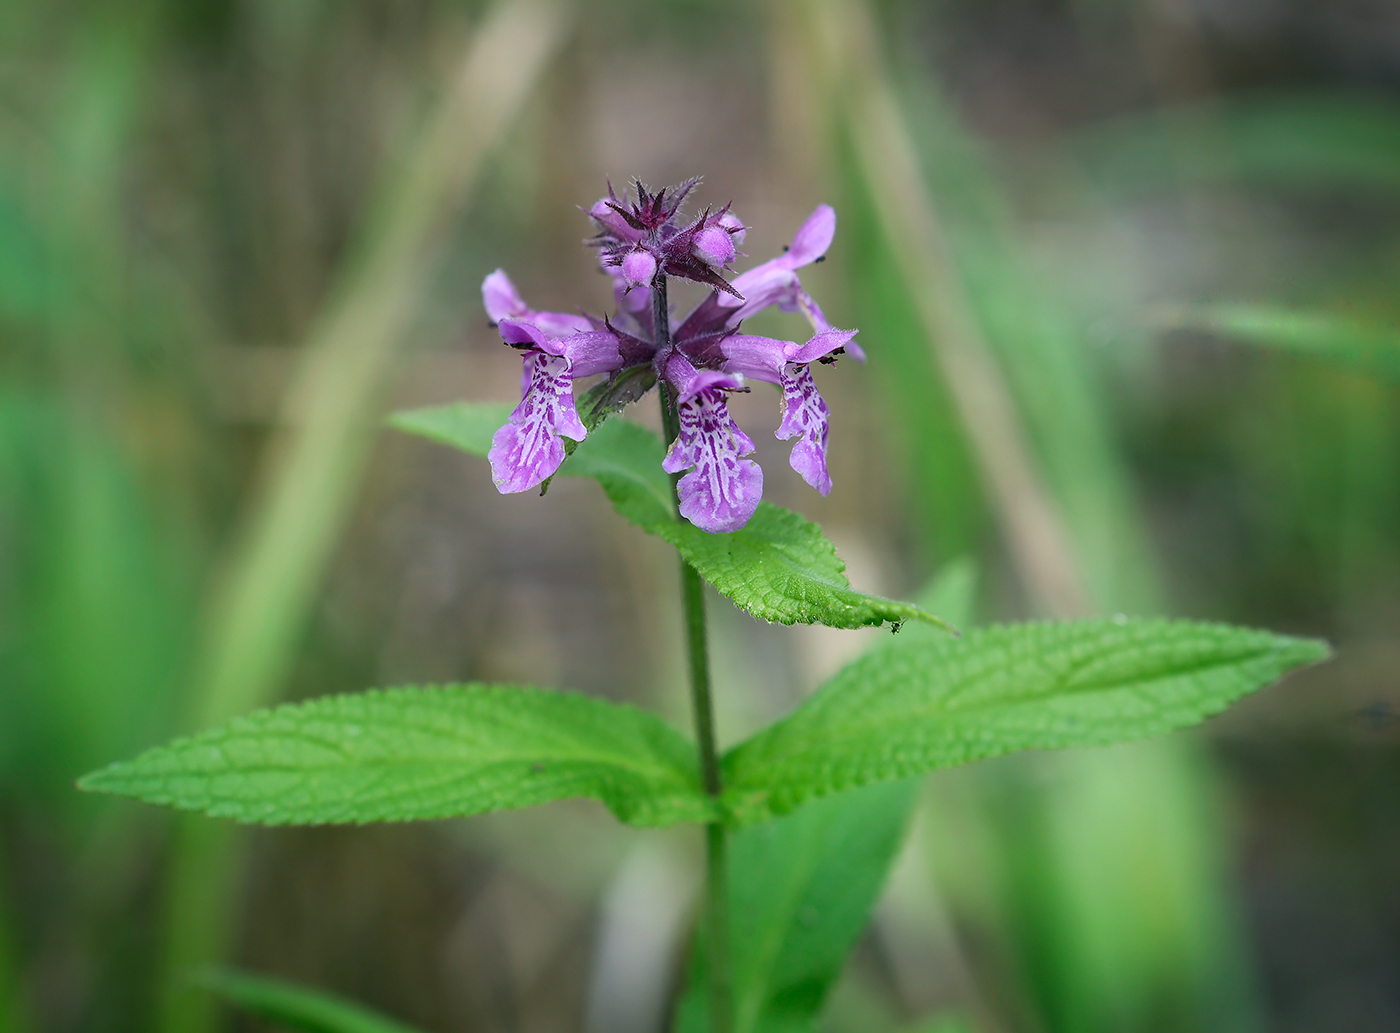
[
  {"x": 638, "y": 268},
  {"x": 736, "y": 229},
  {"x": 714, "y": 247}
]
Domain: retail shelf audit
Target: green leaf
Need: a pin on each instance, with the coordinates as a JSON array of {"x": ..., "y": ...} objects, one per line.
[
  {"x": 606, "y": 399},
  {"x": 801, "y": 888},
  {"x": 1373, "y": 349},
  {"x": 779, "y": 568},
  {"x": 298, "y": 1006},
  {"x": 465, "y": 425},
  {"x": 609, "y": 397},
  {"x": 625, "y": 459},
  {"x": 800, "y": 893},
  {"x": 413, "y": 754},
  {"x": 916, "y": 706}
]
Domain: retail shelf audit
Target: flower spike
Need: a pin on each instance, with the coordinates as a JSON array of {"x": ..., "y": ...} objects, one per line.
[{"x": 701, "y": 360}]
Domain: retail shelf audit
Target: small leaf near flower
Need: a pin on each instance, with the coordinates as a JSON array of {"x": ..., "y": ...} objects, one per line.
[{"x": 779, "y": 567}]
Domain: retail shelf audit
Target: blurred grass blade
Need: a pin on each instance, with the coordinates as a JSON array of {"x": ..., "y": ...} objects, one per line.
[
  {"x": 1367, "y": 348},
  {"x": 330, "y": 409},
  {"x": 13, "y": 1013},
  {"x": 943, "y": 489},
  {"x": 1131, "y": 917},
  {"x": 419, "y": 754},
  {"x": 1030, "y": 520},
  {"x": 298, "y": 1007},
  {"x": 779, "y": 567},
  {"x": 1289, "y": 140},
  {"x": 312, "y": 470},
  {"x": 921, "y": 705}
]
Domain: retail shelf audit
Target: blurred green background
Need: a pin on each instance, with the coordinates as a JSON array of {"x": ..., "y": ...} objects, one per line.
[{"x": 1127, "y": 272}]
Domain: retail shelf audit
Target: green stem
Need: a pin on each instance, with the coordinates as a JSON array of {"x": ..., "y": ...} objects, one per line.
[{"x": 716, "y": 915}]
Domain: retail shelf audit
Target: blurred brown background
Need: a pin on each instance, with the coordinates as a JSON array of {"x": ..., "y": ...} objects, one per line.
[{"x": 1161, "y": 237}]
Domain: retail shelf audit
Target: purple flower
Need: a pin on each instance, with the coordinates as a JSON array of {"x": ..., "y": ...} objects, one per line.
[
  {"x": 701, "y": 359},
  {"x": 722, "y": 490},
  {"x": 805, "y": 413},
  {"x": 528, "y": 448}
]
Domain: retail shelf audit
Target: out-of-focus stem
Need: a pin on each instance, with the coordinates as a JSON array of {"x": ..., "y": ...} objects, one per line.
[
  {"x": 716, "y": 913},
  {"x": 315, "y": 462}
]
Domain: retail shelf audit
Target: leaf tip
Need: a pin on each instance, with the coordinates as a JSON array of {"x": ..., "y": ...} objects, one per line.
[
  {"x": 404, "y": 420},
  {"x": 1307, "y": 651},
  {"x": 97, "y": 781},
  {"x": 938, "y": 622}
]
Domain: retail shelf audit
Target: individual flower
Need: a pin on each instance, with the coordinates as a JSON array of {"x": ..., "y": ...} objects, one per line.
[
  {"x": 722, "y": 489},
  {"x": 528, "y": 448},
  {"x": 805, "y": 413},
  {"x": 700, "y": 359}
]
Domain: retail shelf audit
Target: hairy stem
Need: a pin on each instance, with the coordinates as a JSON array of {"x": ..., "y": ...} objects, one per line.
[{"x": 716, "y": 916}]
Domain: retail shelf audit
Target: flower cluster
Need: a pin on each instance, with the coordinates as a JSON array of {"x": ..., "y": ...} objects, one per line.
[{"x": 699, "y": 359}]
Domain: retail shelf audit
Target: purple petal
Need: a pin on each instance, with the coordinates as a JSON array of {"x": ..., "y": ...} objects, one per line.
[
  {"x": 813, "y": 237},
  {"x": 503, "y": 301},
  {"x": 590, "y": 352},
  {"x": 722, "y": 491},
  {"x": 720, "y": 497},
  {"x": 611, "y": 221},
  {"x": 820, "y": 345},
  {"x": 517, "y": 331},
  {"x": 690, "y": 382},
  {"x": 528, "y": 448},
  {"x": 772, "y": 283},
  {"x": 558, "y": 324},
  {"x": 759, "y": 357},
  {"x": 805, "y": 417}
]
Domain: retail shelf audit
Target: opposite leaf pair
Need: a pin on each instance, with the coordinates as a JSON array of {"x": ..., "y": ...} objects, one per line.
[
  {"x": 915, "y": 705},
  {"x": 905, "y": 709}
]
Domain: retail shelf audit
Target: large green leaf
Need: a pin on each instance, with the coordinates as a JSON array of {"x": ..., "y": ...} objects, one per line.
[
  {"x": 1370, "y": 348},
  {"x": 800, "y": 893},
  {"x": 778, "y": 568},
  {"x": 412, "y": 754},
  {"x": 915, "y": 706},
  {"x": 801, "y": 888},
  {"x": 299, "y": 1007}
]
